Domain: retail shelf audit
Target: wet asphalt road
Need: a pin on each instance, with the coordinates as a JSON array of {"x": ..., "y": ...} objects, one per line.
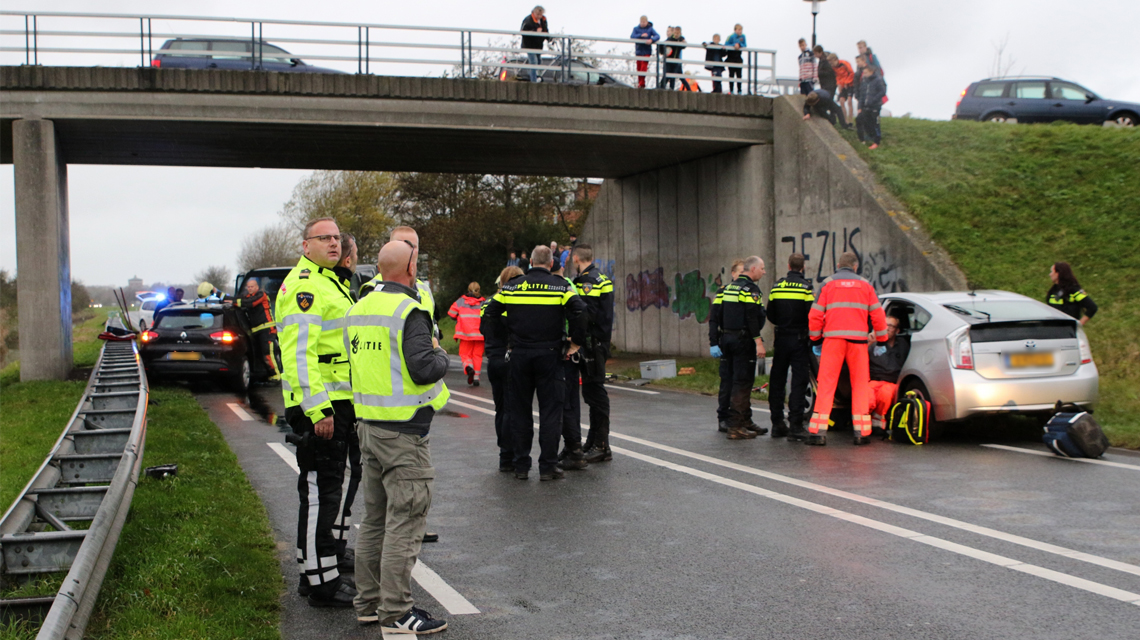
[{"x": 688, "y": 535}]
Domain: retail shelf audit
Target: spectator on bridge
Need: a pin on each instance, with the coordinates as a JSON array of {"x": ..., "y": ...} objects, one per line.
[
  {"x": 535, "y": 22},
  {"x": 673, "y": 52},
  {"x": 820, "y": 103},
  {"x": 871, "y": 94},
  {"x": 512, "y": 260},
  {"x": 886, "y": 363},
  {"x": 643, "y": 31},
  {"x": 714, "y": 54},
  {"x": 808, "y": 68},
  {"x": 826, "y": 74},
  {"x": 845, "y": 78},
  {"x": 524, "y": 264},
  {"x": 466, "y": 311},
  {"x": 688, "y": 84},
  {"x": 734, "y": 58}
]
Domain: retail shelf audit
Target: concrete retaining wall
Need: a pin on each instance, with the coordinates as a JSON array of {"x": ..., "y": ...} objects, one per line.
[{"x": 667, "y": 237}]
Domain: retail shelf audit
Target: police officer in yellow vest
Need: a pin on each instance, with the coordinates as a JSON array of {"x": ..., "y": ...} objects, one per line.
[
  {"x": 408, "y": 236},
  {"x": 311, "y": 306},
  {"x": 397, "y": 384}
]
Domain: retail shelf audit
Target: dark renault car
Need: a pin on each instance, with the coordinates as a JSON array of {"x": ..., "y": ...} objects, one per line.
[
  {"x": 201, "y": 340},
  {"x": 230, "y": 53},
  {"x": 1041, "y": 99}
]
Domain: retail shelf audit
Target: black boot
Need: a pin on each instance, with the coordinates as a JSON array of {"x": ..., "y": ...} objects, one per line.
[
  {"x": 757, "y": 429},
  {"x": 346, "y": 562},
  {"x": 599, "y": 453},
  {"x": 574, "y": 460},
  {"x": 862, "y": 440},
  {"x": 779, "y": 430},
  {"x": 797, "y": 433},
  {"x": 722, "y": 426},
  {"x": 817, "y": 439}
]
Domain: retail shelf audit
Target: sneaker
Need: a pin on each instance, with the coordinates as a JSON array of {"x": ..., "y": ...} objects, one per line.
[
  {"x": 415, "y": 622},
  {"x": 431, "y": 537},
  {"x": 476, "y": 383},
  {"x": 797, "y": 433},
  {"x": 722, "y": 426},
  {"x": 818, "y": 440},
  {"x": 470, "y": 375},
  {"x": 368, "y": 618},
  {"x": 779, "y": 430},
  {"x": 874, "y": 146},
  {"x": 340, "y": 599},
  {"x": 752, "y": 426},
  {"x": 599, "y": 453},
  {"x": 553, "y": 474}
]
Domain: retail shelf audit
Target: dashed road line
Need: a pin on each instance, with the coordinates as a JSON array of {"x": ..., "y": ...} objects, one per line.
[
  {"x": 1050, "y": 454},
  {"x": 241, "y": 413},
  {"x": 443, "y": 593},
  {"x": 621, "y": 388}
]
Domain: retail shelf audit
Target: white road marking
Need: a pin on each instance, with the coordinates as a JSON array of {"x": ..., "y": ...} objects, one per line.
[
  {"x": 489, "y": 412},
  {"x": 621, "y": 388},
  {"x": 451, "y": 600},
  {"x": 946, "y": 545},
  {"x": 1050, "y": 454},
  {"x": 288, "y": 456},
  {"x": 915, "y": 513},
  {"x": 241, "y": 413},
  {"x": 455, "y": 604}
]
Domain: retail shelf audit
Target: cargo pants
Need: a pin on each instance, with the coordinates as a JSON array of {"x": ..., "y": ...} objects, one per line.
[{"x": 397, "y": 485}]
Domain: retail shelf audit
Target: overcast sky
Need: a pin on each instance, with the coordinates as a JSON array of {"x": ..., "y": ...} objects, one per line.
[{"x": 167, "y": 223}]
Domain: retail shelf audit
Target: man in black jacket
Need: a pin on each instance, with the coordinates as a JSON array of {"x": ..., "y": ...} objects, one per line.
[
  {"x": 819, "y": 102},
  {"x": 788, "y": 306},
  {"x": 714, "y": 55},
  {"x": 536, "y": 22},
  {"x": 597, "y": 291},
  {"x": 734, "y": 333},
  {"x": 542, "y": 308},
  {"x": 870, "y": 94}
]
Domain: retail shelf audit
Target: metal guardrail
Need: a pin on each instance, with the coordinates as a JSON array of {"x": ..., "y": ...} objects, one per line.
[
  {"x": 89, "y": 476},
  {"x": 481, "y": 52}
]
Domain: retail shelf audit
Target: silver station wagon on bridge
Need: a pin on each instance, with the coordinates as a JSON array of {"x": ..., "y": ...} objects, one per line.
[{"x": 984, "y": 352}]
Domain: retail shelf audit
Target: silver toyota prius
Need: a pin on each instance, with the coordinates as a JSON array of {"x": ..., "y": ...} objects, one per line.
[{"x": 981, "y": 352}]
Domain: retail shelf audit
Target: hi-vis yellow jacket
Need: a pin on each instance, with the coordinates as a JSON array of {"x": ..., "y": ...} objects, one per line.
[{"x": 311, "y": 306}]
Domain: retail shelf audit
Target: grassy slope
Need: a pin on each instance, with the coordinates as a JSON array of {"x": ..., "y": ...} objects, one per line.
[{"x": 1008, "y": 201}]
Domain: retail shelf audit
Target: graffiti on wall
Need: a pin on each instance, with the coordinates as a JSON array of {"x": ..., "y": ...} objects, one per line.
[
  {"x": 647, "y": 289},
  {"x": 606, "y": 267},
  {"x": 822, "y": 248},
  {"x": 689, "y": 297}
]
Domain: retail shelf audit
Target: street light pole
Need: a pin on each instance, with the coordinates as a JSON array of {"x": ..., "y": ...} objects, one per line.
[{"x": 814, "y": 13}]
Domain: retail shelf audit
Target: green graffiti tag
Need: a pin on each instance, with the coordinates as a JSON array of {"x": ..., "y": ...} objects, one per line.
[{"x": 691, "y": 297}]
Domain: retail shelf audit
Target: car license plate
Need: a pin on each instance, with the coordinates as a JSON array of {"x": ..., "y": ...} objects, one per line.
[
  {"x": 1024, "y": 360},
  {"x": 185, "y": 355}
]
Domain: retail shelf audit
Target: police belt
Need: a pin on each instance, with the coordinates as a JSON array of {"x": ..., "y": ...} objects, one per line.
[
  {"x": 792, "y": 332},
  {"x": 740, "y": 333}
]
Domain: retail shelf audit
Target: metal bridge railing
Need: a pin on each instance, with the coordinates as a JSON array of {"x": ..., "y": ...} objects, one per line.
[
  {"x": 57, "y": 38},
  {"x": 89, "y": 476}
]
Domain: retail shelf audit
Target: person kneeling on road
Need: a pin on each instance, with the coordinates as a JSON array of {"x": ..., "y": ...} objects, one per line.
[
  {"x": 734, "y": 331},
  {"x": 397, "y": 388}
]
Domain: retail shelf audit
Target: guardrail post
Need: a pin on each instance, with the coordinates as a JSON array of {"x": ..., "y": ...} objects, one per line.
[
  {"x": 31, "y": 41},
  {"x": 463, "y": 54},
  {"x": 367, "y": 51}
]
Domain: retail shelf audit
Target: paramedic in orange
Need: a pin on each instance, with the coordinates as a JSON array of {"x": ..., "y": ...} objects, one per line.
[
  {"x": 466, "y": 310},
  {"x": 839, "y": 319},
  {"x": 886, "y": 364}
]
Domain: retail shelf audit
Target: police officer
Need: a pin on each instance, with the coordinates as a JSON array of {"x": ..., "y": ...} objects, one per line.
[
  {"x": 542, "y": 307},
  {"x": 398, "y": 371},
  {"x": 572, "y": 458},
  {"x": 345, "y": 269},
  {"x": 597, "y": 290},
  {"x": 498, "y": 370},
  {"x": 734, "y": 332},
  {"x": 311, "y": 306},
  {"x": 788, "y": 307},
  {"x": 725, "y": 391}
]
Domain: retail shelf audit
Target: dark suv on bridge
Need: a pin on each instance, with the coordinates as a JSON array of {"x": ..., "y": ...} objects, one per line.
[
  {"x": 1041, "y": 99},
  {"x": 230, "y": 53}
]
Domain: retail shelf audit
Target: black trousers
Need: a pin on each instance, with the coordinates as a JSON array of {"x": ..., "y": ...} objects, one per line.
[
  {"x": 723, "y": 395},
  {"x": 735, "y": 72},
  {"x": 571, "y": 407},
  {"x": 498, "y": 372},
  {"x": 355, "y": 472},
  {"x": 319, "y": 486},
  {"x": 595, "y": 394},
  {"x": 867, "y": 124},
  {"x": 792, "y": 349},
  {"x": 806, "y": 87},
  {"x": 738, "y": 363},
  {"x": 536, "y": 372}
]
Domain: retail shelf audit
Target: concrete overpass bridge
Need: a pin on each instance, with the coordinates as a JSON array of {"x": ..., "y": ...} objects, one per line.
[{"x": 693, "y": 179}]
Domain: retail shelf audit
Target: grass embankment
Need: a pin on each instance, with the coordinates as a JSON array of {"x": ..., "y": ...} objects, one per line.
[
  {"x": 196, "y": 558},
  {"x": 1008, "y": 201}
]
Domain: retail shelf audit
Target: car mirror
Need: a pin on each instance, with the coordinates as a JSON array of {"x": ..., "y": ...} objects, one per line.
[
  {"x": 295, "y": 61},
  {"x": 1089, "y": 98}
]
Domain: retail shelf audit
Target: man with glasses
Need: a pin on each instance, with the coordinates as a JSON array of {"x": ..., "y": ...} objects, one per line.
[
  {"x": 311, "y": 305},
  {"x": 885, "y": 361}
]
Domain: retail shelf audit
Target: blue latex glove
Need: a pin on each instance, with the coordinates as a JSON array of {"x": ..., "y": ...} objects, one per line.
[
  {"x": 817, "y": 350},
  {"x": 715, "y": 351},
  {"x": 879, "y": 350}
]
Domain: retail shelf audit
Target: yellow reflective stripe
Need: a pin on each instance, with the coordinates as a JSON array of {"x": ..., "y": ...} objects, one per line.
[
  {"x": 262, "y": 327},
  {"x": 1078, "y": 296},
  {"x": 535, "y": 300},
  {"x": 790, "y": 295}
]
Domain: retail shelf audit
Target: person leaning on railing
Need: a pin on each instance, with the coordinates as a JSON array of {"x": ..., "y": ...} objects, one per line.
[
  {"x": 733, "y": 55},
  {"x": 536, "y": 22},
  {"x": 714, "y": 54},
  {"x": 643, "y": 31}
]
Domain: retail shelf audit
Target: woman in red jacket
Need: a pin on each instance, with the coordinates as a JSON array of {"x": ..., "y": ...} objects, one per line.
[{"x": 466, "y": 313}]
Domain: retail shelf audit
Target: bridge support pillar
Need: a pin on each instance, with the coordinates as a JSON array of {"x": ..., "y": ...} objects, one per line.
[{"x": 43, "y": 251}]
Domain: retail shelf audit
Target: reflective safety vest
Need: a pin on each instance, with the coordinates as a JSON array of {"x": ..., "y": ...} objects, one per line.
[
  {"x": 382, "y": 388},
  {"x": 843, "y": 308},
  {"x": 311, "y": 306},
  {"x": 467, "y": 310},
  {"x": 426, "y": 298}
]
